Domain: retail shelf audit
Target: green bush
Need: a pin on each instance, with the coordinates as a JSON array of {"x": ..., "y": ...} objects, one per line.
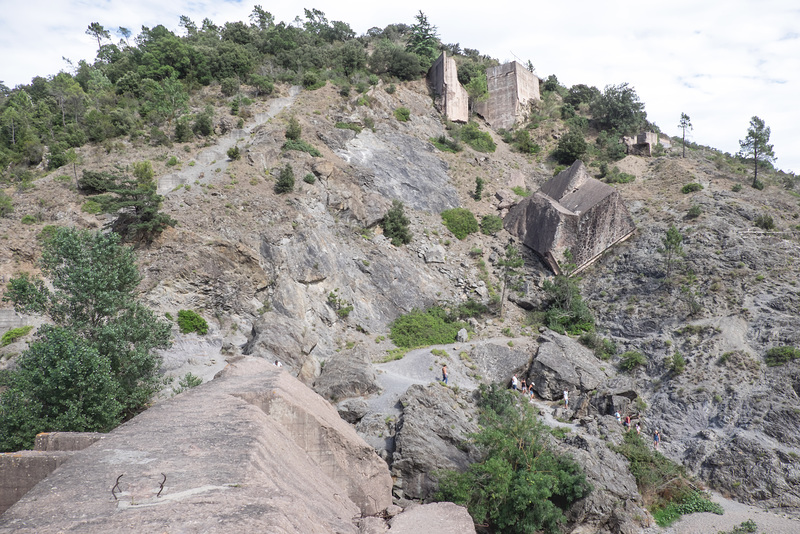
[
  {"x": 301, "y": 146},
  {"x": 229, "y": 86},
  {"x": 491, "y": 224},
  {"x": 172, "y": 161},
  {"x": 758, "y": 184},
  {"x": 765, "y": 222},
  {"x": 523, "y": 143},
  {"x": 691, "y": 188},
  {"x": 190, "y": 321},
  {"x": 348, "y": 126},
  {"x": 309, "y": 178},
  {"x": 93, "y": 182},
  {"x": 14, "y": 334},
  {"x": 402, "y": 114},
  {"x": 188, "y": 381},
  {"x": 234, "y": 153},
  {"x": 396, "y": 225},
  {"x": 340, "y": 305},
  {"x": 521, "y": 191},
  {"x": 567, "y": 312},
  {"x": 91, "y": 206},
  {"x": 572, "y": 146},
  {"x": 29, "y": 219},
  {"x": 293, "y": 130},
  {"x": 479, "y": 183},
  {"x": 603, "y": 348},
  {"x": 617, "y": 177},
  {"x": 445, "y": 144},
  {"x": 6, "y": 206},
  {"x": 285, "y": 182},
  {"x": 677, "y": 363},
  {"x": 631, "y": 360},
  {"x": 481, "y": 141},
  {"x": 521, "y": 484},
  {"x": 694, "y": 212},
  {"x": 420, "y": 328},
  {"x": 780, "y": 355},
  {"x": 736, "y": 188},
  {"x": 460, "y": 221}
]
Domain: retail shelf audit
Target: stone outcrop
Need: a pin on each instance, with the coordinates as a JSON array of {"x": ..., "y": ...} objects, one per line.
[
  {"x": 561, "y": 363},
  {"x": 574, "y": 212},
  {"x": 347, "y": 374},
  {"x": 511, "y": 87},
  {"x": 450, "y": 97},
  {"x": 253, "y": 450},
  {"x": 439, "y": 517}
]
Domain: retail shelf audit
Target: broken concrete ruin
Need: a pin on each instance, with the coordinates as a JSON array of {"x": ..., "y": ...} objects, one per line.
[
  {"x": 574, "y": 212},
  {"x": 449, "y": 96},
  {"x": 511, "y": 88},
  {"x": 644, "y": 143}
]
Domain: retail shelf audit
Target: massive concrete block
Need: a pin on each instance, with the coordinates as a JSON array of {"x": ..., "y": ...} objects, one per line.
[
  {"x": 574, "y": 212},
  {"x": 511, "y": 88},
  {"x": 450, "y": 97},
  {"x": 21, "y": 471},
  {"x": 253, "y": 451}
]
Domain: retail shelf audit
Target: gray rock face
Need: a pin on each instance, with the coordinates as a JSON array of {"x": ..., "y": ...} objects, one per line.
[
  {"x": 497, "y": 362},
  {"x": 430, "y": 437},
  {"x": 347, "y": 374},
  {"x": 400, "y": 167},
  {"x": 563, "y": 363},
  {"x": 254, "y": 450}
]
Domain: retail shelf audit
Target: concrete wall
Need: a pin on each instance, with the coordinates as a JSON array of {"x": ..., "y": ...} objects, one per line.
[
  {"x": 511, "y": 88},
  {"x": 450, "y": 97}
]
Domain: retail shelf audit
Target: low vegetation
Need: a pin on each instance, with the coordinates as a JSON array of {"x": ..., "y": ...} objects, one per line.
[
  {"x": 434, "y": 326},
  {"x": 632, "y": 359},
  {"x": 780, "y": 355},
  {"x": 691, "y": 188},
  {"x": 396, "y": 225},
  {"x": 521, "y": 484},
  {"x": 14, "y": 334},
  {"x": 460, "y": 221},
  {"x": 190, "y": 321}
]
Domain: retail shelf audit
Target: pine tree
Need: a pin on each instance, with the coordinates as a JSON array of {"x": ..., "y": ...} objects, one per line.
[
  {"x": 756, "y": 145},
  {"x": 684, "y": 124},
  {"x": 285, "y": 183},
  {"x": 395, "y": 225}
]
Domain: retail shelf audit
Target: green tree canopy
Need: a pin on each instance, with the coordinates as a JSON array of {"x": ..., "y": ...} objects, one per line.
[
  {"x": 423, "y": 40},
  {"x": 684, "y": 124},
  {"x": 618, "y": 108},
  {"x": 395, "y": 225},
  {"x": 756, "y": 146}
]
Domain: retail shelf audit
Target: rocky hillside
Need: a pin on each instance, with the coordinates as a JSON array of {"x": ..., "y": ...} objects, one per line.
[{"x": 261, "y": 267}]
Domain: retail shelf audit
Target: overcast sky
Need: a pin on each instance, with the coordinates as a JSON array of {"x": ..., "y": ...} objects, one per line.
[{"x": 720, "y": 62}]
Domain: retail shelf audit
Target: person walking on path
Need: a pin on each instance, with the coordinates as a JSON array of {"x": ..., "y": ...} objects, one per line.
[
  {"x": 566, "y": 398},
  {"x": 524, "y": 387},
  {"x": 618, "y": 416},
  {"x": 444, "y": 374},
  {"x": 514, "y": 383},
  {"x": 627, "y": 423},
  {"x": 656, "y": 439},
  {"x": 638, "y": 429}
]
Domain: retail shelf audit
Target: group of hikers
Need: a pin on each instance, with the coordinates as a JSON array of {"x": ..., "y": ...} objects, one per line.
[{"x": 522, "y": 386}]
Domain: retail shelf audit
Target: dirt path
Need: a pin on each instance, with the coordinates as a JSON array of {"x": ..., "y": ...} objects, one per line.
[{"x": 735, "y": 514}]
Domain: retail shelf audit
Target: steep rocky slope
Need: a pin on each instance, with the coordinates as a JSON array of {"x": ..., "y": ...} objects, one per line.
[{"x": 261, "y": 266}]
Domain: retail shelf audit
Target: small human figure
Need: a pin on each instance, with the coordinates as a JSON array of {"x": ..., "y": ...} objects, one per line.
[
  {"x": 566, "y": 398},
  {"x": 656, "y": 439},
  {"x": 524, "y": 387},
  {"x": 638, "y": 429},
  {"x": 618, "y": 416},
  {"x": 444, "y": 374},
  {"x": 278, "y": 364},
  {"x": 627, "y": 423},
  {"x": 514, "y": 383}
]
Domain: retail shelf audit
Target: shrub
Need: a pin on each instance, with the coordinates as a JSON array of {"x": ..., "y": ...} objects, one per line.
[
  {"x": 631, "y": 360},
  {"x": 736, "y": 188},
  {"x": 348, "y": 126},
  {"x": 521, "y": 191},
  {"x": 391, "y": 88},
  {"x": 446, "y": 144},
  {"x": 691, "y": 188},
  {"x": 617, "y": 177},
  {"x": 521, "y": 483},
  {"x": 301, "y": 146},
  {"x": 91, "y": 206},
  {"x": 758, "y": 184},
  {"x": 603, "y": 348},
  {"x": 479, "y": 182},
  {"x": 491, "y": 224},
  {"x": 402, "y": 114},
  {"x": 420, "y": 328},
  {"x": 572, "y": 146},
  {"x": 524, "y": 144},
  {"x": 285, "y": 182},
  {"x": 395, "y": 225},
  {"x": 229, "y": 86},
  {"x": 780, "y": 355},
  {"x": 203, "y": 122},
  {"x": 765, "y": 222},
  {"x": 677, "y": 363},
  {"x": 309, "y": 178},
  {"x": 293, "y": 130},
  {"x": 6, "y": 206},
  {"x": 481, "y": 141},
  {"x": 234, "y": 153},
  {"x": 190, "y": 321},
  {"x": 172, "y": 161},
  {"x": 694, "y": 212},
  {"x": 187, "y": 382},
  {"x": 28, "y": 219},
  {"x": 340, "y": 305},
  {"x": 14, "y": 334},
  {"x": 460, "y": 221},
  {"x": 93, "y": 182}
]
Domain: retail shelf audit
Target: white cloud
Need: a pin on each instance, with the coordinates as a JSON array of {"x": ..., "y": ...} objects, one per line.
[{"x": 719, "y": 62}]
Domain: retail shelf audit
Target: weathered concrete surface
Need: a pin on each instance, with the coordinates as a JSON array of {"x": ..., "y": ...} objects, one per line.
[
  {"x": 254, "y": 450},
  {"x": 574, "y": 212},
  {"x": 439, "y": 517},
  {"x": 450, "y": 97},
  {"x": 511, "y": 87},
  {"x": 21, "y": 471},
  {"x": 65, "y": 441}
]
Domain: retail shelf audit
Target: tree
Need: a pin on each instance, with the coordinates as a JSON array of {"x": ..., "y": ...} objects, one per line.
[
  {"x": 96, "y": 30},
  {"x": 673, "y": 248},
  {"x": 684, "y": 124},
  {"x": 262, "y": 19},
  {"x": 91, "y": 295},
  {"x": 619, "y": 108},
  {"x": 571, "y": 146},
  {"x": 510, "y": 263},
  {"x": 395, "y": 225},
  {"x": 521, "y": 485},
  {"x": 285, "y": 183},
  {"x": 423, "y": 40},
  {"x": 293, "y": 130},
  {"x": 567, "y": 312},
  {"x": 61, "y": 383},
  {"x": 756, "y": 145}
]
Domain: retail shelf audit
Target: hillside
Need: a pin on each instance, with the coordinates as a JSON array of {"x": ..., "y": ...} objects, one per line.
[{"x": 270, "y": 271}]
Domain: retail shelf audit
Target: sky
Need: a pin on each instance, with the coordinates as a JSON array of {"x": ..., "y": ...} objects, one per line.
[{"x": 720, "y": 62}]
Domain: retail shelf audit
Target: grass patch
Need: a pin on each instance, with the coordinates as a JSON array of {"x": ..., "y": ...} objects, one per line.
[
  {"x": 14, "y": 334},
  {"x": 190, "y": 321},
  {"x": 780, "y": 355},
  {"x": 348, "y": 126},
  {"x": 421, "y": 328},
  {"x": 301, "y": 146}
]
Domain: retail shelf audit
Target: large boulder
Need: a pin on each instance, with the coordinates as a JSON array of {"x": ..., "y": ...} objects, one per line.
[
  {"x": 496, "y": 362},
  {"x": 438, "y": 517},
  {"x": 253, "y": 450},
  {"x": 431, "y": 436},
  {"x": 346, "y": 374},
  {"x": 562, "y": 363}
]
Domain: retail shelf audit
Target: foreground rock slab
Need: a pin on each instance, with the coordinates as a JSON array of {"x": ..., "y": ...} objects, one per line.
[{"x": 254, "y": 450}]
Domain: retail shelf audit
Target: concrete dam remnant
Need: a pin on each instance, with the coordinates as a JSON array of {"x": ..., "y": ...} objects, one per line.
[
  {"x": 450, "y": 97},
  {"x": 572, "y": 211},
  {"x": 511, "y": 88}
]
